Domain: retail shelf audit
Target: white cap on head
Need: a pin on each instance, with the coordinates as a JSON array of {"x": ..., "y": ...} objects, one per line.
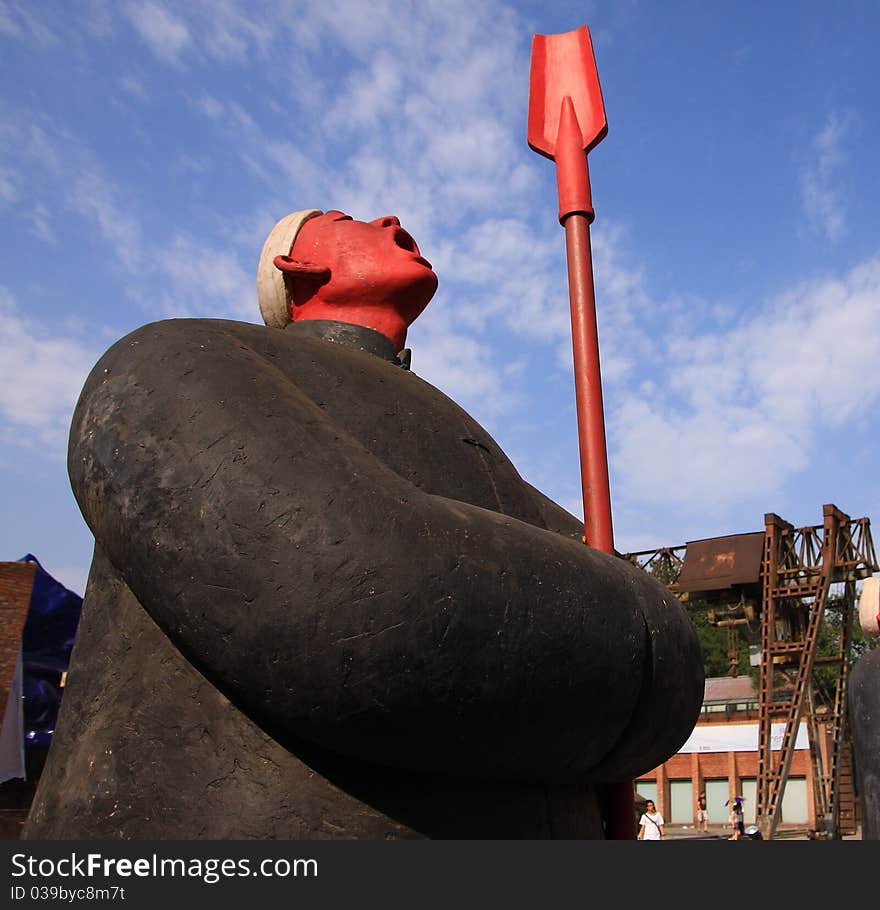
[
  {"x": 271, "y": 293},
  {"x": 869, "y": 607}
]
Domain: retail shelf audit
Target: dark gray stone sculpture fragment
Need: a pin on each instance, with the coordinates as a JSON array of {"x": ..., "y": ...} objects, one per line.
[
  {"x": 864, "y": 710},
  {"x": 324, "y": 604}
]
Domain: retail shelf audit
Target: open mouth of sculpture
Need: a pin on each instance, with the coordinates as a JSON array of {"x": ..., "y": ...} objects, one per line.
[{"x": 405, "y": 242}]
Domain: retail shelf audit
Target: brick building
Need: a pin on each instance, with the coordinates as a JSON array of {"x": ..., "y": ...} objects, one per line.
[{"x": 720, "y": 758}]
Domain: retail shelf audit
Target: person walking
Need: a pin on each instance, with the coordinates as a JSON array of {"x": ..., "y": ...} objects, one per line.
[
  {"x": 651, "y": 823},
  {"x": 702, "y": 813},
  {"x": 736, "y": 812}
]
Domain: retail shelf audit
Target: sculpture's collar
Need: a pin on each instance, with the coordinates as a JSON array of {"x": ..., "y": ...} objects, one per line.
[{"x": 352, "y": 336}]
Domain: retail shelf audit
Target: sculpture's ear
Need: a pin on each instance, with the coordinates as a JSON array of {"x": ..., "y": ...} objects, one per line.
[
  {"x": 308, "y": 270},
  {"x": 302, "y": 278}
]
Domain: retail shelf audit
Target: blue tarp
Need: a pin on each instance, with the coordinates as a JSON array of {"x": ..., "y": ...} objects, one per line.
[{"x": 46, "y": 642}]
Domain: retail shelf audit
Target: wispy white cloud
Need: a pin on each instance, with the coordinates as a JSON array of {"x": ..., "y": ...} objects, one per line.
[
  {"x": 210, "y": 107},
  {"x": 821, "y": 192},
  {"x": 8, "y": 192},
  {"x": 460, "y": 366},
  {"x": 41, "y": 223},
  {"x": 8, "y": 24},
  {"x": 176, "y": 276},
  {"x": 225, "y": 31},
  {"x": 134, "y": 87},
  {"x": 164, "y": 33},
  {"x": 200, "y": 280},
  {"x": 41, "y": 375},
  {"x": 369, "y": 94},
  {"x": 63, "y": 174},
  {"x": 26, "y": 24},
  {"x": 96, "y": 197},
  {"x": 733, "y": 415},
  {"x": 234, "y": 31}
]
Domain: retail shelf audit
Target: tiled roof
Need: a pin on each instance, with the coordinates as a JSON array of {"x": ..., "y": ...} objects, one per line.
[{"x": 723, "y": 689}]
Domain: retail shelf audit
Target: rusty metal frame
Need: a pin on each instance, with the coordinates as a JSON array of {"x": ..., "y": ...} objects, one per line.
[
  {"x": 798, "y": 568},
  {"x": 664, "y": 563}
]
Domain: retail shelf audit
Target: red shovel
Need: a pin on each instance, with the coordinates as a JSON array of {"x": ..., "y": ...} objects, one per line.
[{"x": 566, "y": 120}]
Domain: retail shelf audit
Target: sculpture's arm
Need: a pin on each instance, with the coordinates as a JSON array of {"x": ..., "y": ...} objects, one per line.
[
  {"x": 341, "y": 606},
  {"x": 556, "y": 518}
]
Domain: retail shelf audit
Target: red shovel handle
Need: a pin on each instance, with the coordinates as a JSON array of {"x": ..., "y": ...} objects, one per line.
[{"x": 588, "y": 389}]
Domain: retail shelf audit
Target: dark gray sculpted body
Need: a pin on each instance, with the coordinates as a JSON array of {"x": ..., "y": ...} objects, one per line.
[
  {"x": 864, "y": 709},
  {"x": 325, "y": 604}
]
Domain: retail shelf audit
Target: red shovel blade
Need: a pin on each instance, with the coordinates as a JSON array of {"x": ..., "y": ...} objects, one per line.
[{"x": 563, "y": 65}]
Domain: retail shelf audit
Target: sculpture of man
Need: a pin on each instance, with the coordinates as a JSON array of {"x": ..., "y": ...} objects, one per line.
[{"x": 323, "y": 602}]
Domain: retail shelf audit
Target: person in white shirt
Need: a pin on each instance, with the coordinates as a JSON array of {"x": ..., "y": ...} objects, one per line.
[{"x": 651, "y": 823}]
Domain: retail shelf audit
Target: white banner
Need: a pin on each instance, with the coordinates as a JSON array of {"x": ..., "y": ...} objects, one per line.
[{"x": 739, "y": 738}]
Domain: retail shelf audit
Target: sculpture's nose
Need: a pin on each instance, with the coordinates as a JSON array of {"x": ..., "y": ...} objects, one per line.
[{"x": 387, "y": 221}]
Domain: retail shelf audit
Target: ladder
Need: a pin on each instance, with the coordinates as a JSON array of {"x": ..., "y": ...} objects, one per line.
[{"x": 799, "y": 567}]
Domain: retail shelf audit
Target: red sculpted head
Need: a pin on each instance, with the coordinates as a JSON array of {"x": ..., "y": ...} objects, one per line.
[{"x": 367, "y": 273}]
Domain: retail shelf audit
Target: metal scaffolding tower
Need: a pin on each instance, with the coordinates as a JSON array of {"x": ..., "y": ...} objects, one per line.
[{"x": 798, "y": 568}]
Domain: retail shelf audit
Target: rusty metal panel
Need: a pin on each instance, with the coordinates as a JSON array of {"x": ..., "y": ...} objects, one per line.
[{"x": 721, "y": 562}]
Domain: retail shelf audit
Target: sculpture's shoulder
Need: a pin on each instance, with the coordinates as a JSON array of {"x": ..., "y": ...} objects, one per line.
[
  {"x": 196, "y": 353},
  {"x": 169, "y": 336},
  {"x": 157, "y": 342}
]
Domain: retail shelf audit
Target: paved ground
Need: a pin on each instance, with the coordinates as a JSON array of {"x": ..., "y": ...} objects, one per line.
[{"x": 720, "y": 832}]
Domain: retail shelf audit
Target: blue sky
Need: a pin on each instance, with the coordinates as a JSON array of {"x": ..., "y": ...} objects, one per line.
[{"x": 147, "y": 148}]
